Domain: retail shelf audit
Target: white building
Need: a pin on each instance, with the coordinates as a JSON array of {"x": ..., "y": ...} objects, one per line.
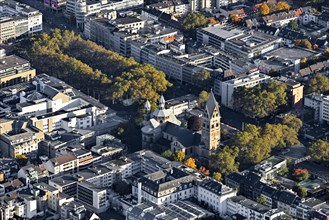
[
  {"x": 100, "y": 176},
  {"x": 92, "y": 196},
  {"x": 169, "y": 186},
  {"x": 60, "y": 164},
  {"x": 215, "y": 195},
  {"x": 80, "y": 9},
  {"x": 320, "y": 104},
  {"x": 251, "y": 209},
  {"x": 228, "y": 87}
]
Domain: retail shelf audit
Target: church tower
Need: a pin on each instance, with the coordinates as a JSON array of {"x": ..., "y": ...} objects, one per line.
[{"x": 211, "y": 124}]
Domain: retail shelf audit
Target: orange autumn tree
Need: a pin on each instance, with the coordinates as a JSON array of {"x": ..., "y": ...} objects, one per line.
[
  {"x": 234, "y": 18},
  {"x": 190, "y": 162},
  {"x": 301, "y": 174},
  {"x": 203, "y": 170},
  {"x": 264, "y": 9},
  {"x": 212, "y": 21}
]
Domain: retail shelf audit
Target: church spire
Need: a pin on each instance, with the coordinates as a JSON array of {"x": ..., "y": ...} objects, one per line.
[
  {"x": 162, "y": 103},
  {"x": 211, "y": 124},
  {"x": 147, "y": 106}
]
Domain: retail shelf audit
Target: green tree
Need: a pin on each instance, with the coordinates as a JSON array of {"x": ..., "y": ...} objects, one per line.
[
  {"x": 168, "y": 154},
  {"x": 179, "y": 156},
  {"x": 264, "y": 9},
  {"x": 283, "y": 171},
  {"x": 192, "y": 21},
  {"x": 318, "y": 84},
  {"x": 224, "y": 161},
  {"x": 301, "y": 191},
  {"x": 261, "y": 200},
  {"x": 91, "y": 68},
  {"x": 292, "y": 121},
  {"x": 319, "y": 150},
  {"x": 261, "y": 100},
  {"x": 203, "y": 75},
  {"x": 217, "y": 176},
  {"x": 203, "y": 97},
  {"x": 294, "y": 25}
]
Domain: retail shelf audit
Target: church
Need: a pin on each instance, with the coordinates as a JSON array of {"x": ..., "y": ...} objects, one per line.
[{"x": 161, "y": 127}]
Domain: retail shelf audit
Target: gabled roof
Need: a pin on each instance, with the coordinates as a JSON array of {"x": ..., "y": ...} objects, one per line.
[{"x": 211, "y": 105}]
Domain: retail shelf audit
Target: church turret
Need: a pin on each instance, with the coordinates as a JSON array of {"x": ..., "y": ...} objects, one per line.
[
  {"x": 147, "y": 110},
  {"x": 162, "y": 103},
  {"x": 211, "y": 124}
]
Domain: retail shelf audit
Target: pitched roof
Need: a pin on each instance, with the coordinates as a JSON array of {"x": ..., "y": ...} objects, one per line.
[{"x": 63, "y": 159}]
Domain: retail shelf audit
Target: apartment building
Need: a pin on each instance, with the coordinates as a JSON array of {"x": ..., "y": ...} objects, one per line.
[
  {"x": 251, "y": 209},
  {"x": 22, "y": 139},
  {"x": 61, "y": 164},
  {"x": 46, "y": 196},
  {"x": 320, "y": 104},
  {"x": 17, "y": 20},
  {"x": 80, "y": 9},
  {"x": 92, "y": 196},
  {"x": 237, "y": 41},
  {"x": 7, "y": 29},
  {"x": 118, "y": 35},
  {"x": 228, "y": 87},
  {"x": 56, "y": 105},
  {"x": 170, "y": 186},
  {"x": 100, "y": 176},
  {"x": 14, "y": 70},
  {"x": 215, "y": 195},
  {"x": 295, "y": 91},
  {"x": 18, "y": 206}
]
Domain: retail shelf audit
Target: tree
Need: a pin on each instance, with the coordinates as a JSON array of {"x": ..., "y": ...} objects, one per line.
[
  {"x": 203, "y": 75},
  {"x": 318, "y": 84},
  {"x": 283, "y": 171},
  {"x": 192, "y": 21},
  {"x": 234, "y": 18},
  {"x": 190, "y": 162},
  {"x": 90, "y": 67},
  {"x": 217, "y": 176},
  {"x": 301, "y": 191},
  {"x": 282, "y": 6},
  {"x": 304, "y": 43},
  {"x": 224, "y": 161},
  {"x": 212, "y": 21},
  {"x": 21, "y": 159},
  {"x": 294, "y": 25},
  {"x": 179, "y": 156},
  {"x": 319, "y": 150},
  {"x": 303, "y": 60},
  {"x": 203, "y": 97},
  {"x": 292, "y": 121},
  {"x": 261, "y": 200},
  {"x": 301, "y": 174},
  {"x": 326, "y": 52},
  {"x": 261, "y": 100},
  {"x": 168, "y": 154},
  {"x": 264, "y": 9},
  {"x": 255, "y": 143},
  {"x": 203, "y": 170}
]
